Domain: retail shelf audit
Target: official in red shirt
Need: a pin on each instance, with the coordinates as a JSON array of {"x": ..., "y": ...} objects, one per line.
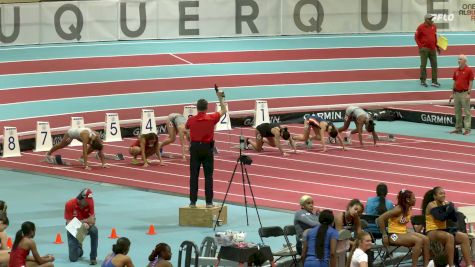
[
  {"x": 82, "y": 207},
  {"x": 463, "y": 81},
  {"x": 201, "y": 128},
  {"x": 426, "y": 39}
]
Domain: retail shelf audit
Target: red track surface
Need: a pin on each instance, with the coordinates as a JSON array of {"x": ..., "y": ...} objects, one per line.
[
  {"x": 333, "y": 177},
  {"x": 127, "y": 114},
  {"x": 128, "y": 87},
  {"x": 213, "y": 57}
]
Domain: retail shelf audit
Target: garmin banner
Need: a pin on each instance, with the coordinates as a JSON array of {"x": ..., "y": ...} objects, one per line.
[{"x": 108, "y": 20}]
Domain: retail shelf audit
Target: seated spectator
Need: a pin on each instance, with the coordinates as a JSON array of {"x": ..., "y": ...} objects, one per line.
[
  {"x": 379, "y": 204},
  {"x": 319, "y": 243},
  {"x": 4, "y": 250},
  {"x": 397, "y": 234},
  {"x": 438, "y": 255},
  {"x": 118, "y": 257},
  {"x": 437, "y": 211},
  {"x": 160, "y": 256},
  {"x": 22, "y": 246},
  {"x": 376, "y": 206},
  {"x": 358, "y": 256},
  {"x": 304, "y": 219},
  {"x": 350, "y": 219}
]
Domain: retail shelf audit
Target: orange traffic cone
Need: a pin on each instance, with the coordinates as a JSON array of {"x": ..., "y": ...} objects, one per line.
[
  {"x": 151, "y": 230},
  {"x": 9, "y": 243},
  {"x": 113, "y": 234},
  {"x": 58, "y": 239}
]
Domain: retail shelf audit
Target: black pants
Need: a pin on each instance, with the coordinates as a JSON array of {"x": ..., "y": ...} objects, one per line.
[{"x": 201, "y": 153}]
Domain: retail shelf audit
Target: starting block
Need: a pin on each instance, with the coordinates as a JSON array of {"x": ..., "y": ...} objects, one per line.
[
  {"x": 388, "y": 138},
  {"x": 331, "y": 140},
  {"x": 118, "y": 156},
  {"x": 56, "y": 160},
  {"x": 308, "y": 144},
  {"x": 347, "y": 140}
]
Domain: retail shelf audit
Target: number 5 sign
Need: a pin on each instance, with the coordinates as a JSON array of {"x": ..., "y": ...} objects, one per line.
[{"x": 112, "y": 128}]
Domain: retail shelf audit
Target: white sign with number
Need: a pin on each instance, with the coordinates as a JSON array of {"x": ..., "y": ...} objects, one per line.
[
  {"x": 43, "y": 141},
  {"x": 148, "y": 124},
  {"x": 112, "y": 128},
  {"x": 261, "y": 113},
  {"x": 11, "y": 146},
  {"x": 189, "y": 111},
  {"x": 224, "y": 123}
]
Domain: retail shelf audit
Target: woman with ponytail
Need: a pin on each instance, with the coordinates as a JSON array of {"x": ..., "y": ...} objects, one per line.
[
  {"x": 319, "y": 127},
  {"x": 22, "y": 246},
  {"x": 118, "y": 257},
  {"x": 397, "y": 234},
  {"x": 379, "y": 204},
  {"x": 319, "y": 243},
  {"x": 361, "y": 118},
  {"x": 271, "y": 133},
  {"x": 160, "y": 256},
  {"x": 358, "y": 256},
  {"x": 437, "y": 211}
]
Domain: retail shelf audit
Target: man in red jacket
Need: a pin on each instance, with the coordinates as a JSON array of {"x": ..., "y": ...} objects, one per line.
[{"x": 426, "y": 39}]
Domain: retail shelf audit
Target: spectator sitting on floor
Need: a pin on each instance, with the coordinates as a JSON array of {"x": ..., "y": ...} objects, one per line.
[
  {"x": 4, "y": 250},
  {"x": 160, "y": 256},
  {"x": 22, "y": 246},
  {"x": 304, "y": 219},
  {"x": 437, "y": 211},
  {"x": 358, "y": 256},
  {"x": 319, "y": 243},
  {"x": 118, "y": 257},
  {"x": 438, "y": 255},
  {"x": 397, "y": 234}
]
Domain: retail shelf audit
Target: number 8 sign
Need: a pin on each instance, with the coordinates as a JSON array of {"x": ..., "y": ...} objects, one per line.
[{"x": 11, "y": 146}]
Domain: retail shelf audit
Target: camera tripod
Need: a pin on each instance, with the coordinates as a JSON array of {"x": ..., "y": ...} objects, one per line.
[{"x": 242, "y": 161}]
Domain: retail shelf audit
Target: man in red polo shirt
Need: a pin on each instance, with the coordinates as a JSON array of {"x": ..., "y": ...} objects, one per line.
[
  {"x": 463, "y": 81},
  {"x": 82, "y": 207},
  {"x": 201, "y": 128},
  {"x": 426, "y": 39}
]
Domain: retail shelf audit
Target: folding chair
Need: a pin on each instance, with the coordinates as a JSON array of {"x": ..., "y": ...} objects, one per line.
[
  {"x": 389, "y": 254},
  {"x": 189, "y": 247},
  {"x": 276, "y": 231},
  {"x": 418, "y": 222},
  {"x": 469, "y": 213},
  {"x": 289, "y": 230},
  {"x": 208, "y": 247}
]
